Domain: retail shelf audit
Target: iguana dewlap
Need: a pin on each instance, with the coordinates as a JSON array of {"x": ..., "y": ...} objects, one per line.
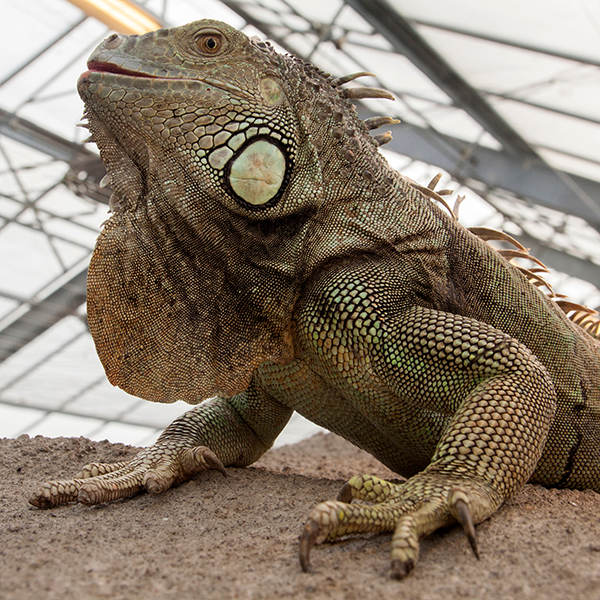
[{"x": 262, "y": 251}]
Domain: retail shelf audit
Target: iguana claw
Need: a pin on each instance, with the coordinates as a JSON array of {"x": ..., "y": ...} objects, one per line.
[
  {"x": 308, "y": 537},
  {"x": 345, "y": 493},
  {"x": 400, "y": 569},
  {"x": 458, "y": 501}
]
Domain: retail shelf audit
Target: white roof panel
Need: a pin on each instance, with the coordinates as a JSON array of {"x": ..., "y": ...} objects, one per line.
[
  {"x": 55, "y": 384},
  {"x": 552, "y": 130}
]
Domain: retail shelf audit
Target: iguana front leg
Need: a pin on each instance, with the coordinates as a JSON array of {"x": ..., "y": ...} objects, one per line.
[
  {"x": 502, "y": 402},
  {"x": 217, "y": 433}
]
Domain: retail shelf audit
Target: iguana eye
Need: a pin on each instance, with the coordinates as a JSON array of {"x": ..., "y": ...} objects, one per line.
[{"x": 209, "y": 43}]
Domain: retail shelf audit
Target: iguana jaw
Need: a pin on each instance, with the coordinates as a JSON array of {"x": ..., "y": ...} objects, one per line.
[{"x": 126, "y": 172}]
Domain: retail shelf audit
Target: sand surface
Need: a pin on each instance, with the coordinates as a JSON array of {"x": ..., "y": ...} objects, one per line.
[{"x": 236, "y": 537}]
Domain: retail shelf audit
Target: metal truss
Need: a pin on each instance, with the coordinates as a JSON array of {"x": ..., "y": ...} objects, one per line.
[{"x": 515, "y": 168}]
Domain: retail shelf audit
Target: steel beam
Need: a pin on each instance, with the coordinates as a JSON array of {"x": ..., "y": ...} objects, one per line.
[
  {"x": 407, "y": 41},
  {"x": 40, "y": 139},
  {"x": 33, "y": 319},
  {"x": 86, "y": 168},
  {"x": 506, "y": 42},
  {"x": 533, "y": 179}
]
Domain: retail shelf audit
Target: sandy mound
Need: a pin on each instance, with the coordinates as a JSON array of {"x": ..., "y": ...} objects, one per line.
[{"x": 236, "y": 537}]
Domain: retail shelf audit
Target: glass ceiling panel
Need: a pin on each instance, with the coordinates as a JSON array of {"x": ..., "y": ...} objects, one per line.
[
  {"x": 44, "y": 92},
  {"x": 42, "y": 388},
  {"x": 6, "y": 305},
  {"x": 52, "y": 341},
  {"x": 552, "y": 130},
  {"x": 351, "y": 20},
  {"x": 368, "y": 40},
  {"x": 566, "y": 27},
  {"x": 47, "y": 227},
  {"x": 125, "y": 433},
  {"x": 264, "y": 15},
  {"x": 18, "y": 160},
  {"x": 15, "y": 419},
  {"x": 570, "y": 164},
  {"x": 324, "y": 12},
  {"x": 45, "y": 22},
  {"x": 567, "y": 232},
  {"x": 397, "y": 73},
  {"x": 334, "y": 62},
  {"x": 557, "y": 83},
  {"x": 180, "y": 12},
  {"x": 33, "y": 269},
  {"x": 576, "y": 91},
  {"x": 101, "y": 399}
]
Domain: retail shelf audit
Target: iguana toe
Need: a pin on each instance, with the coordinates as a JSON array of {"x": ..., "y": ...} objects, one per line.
[
  {"x": 331, "y": 520},
  {"x": 54, "y": 493},
  {"x": 95, "y": 469},
  {"x": 155, "y": 470},
  {"x": 368, "y": 489},
  {"x": 170, "y": 472}
]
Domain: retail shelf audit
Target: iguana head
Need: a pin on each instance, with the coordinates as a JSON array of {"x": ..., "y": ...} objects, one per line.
[
  {"x": 221, "y": 155},
  {"x": 211, "y": 100}
]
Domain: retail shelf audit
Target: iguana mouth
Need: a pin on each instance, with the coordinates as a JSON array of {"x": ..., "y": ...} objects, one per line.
[{"x": 104, "y": 67}]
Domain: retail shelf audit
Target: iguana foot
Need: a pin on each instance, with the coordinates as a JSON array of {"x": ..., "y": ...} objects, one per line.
[
  {"x": 155, "y": 469},
  {"x": 411, "y": 510}
]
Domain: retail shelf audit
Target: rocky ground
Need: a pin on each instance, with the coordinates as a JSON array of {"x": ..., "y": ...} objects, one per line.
[{"x": 236, "y": 537}]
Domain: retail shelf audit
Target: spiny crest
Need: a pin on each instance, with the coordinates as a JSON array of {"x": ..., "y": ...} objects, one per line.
[
  {"x": 359, "y": 93},
  {"x": 430, "y": 192},
  {"x": 587, "y": 318},
  {"x": 584, "y": 316}
]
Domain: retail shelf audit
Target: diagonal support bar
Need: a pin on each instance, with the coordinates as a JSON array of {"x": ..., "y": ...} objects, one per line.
[
  {"x": 28, "y": 322},
  {"x": 407, "y": 41},
  {"x": 87, "y": 169},
  {"x": 533, "y": 180}
]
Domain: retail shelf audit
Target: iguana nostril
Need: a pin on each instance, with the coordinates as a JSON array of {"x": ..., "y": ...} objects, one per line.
[{"x": 113, "y": 41}]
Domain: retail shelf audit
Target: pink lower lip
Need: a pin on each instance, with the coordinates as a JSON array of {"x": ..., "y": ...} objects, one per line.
[{"x": 84, "y": 75}]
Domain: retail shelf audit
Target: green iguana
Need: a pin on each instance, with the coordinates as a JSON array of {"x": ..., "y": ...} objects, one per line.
[{"x": 263, "y": 258}]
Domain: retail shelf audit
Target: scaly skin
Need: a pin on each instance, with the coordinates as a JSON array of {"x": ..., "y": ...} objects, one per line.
[{"x": 262, "y": 251}]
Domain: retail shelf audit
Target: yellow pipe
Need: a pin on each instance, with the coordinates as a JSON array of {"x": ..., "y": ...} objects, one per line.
[{"x": 120, "y": 15}]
